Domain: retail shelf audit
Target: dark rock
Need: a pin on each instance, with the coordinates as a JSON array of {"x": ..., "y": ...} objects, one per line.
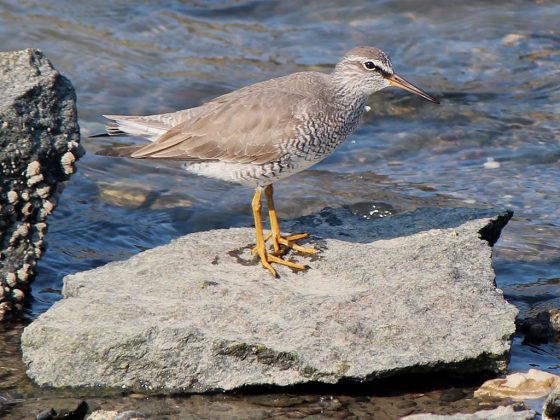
[
  {"x": 544, "y": 327},
  {"x": 78, "y": 414},
  {"x": 551, "y": 408},
  {"x": 39, "y": 142}
]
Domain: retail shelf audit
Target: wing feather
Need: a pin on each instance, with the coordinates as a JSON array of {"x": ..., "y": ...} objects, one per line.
[
  {"x": 246, "y": 129},
  {"x": 250, "y": 125}
]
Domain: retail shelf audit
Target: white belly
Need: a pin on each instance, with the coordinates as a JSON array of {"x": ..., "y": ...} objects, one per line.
[{"x": 249, "y": 174}]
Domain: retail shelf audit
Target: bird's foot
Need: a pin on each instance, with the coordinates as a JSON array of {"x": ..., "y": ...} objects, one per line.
[
  {"x": 282, "y": 244},
  {"x": 267, "y": 258}
]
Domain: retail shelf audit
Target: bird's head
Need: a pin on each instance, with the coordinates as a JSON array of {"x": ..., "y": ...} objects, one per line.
[{"x": 368, "y": 70}]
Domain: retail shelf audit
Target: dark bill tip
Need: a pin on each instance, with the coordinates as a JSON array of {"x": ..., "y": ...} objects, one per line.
[{"x": 399, "y": 82}]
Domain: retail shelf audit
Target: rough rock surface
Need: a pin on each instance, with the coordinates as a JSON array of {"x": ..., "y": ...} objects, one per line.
[
  {"x": 39, "y": 142},
  {"x": 500, "y": 413},
  {"x": 551, "y": 408},
  {"x": 408, "y": 293}
]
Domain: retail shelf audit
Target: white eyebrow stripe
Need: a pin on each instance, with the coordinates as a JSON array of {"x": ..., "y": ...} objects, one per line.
[{"x": 378, "y": 63}]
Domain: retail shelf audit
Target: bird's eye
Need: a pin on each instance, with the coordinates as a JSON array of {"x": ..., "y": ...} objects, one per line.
[{"x": 369, "y": 65}]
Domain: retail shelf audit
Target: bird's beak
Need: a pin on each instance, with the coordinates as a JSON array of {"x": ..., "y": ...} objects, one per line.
[{"x": 398, "y": 81}]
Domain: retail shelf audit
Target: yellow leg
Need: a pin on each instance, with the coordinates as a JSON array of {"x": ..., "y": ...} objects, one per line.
[
  {"x": 267, "y": 258},
  {"x": 277, "y": 238},
  {"x": 274, "y": 225},
  {"x": 266, "y": 238},
  {"x": 256, "y": 205}
]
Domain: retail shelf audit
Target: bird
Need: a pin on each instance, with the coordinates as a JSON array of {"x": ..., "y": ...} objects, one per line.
[{"x": 265, "y": 132}]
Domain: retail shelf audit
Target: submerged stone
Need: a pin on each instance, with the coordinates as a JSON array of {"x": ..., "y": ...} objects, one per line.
[{"x": 413, "y": 292}]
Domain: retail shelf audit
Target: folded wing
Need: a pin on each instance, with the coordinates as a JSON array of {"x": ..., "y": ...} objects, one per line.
[{"x": 251, "y": 128}]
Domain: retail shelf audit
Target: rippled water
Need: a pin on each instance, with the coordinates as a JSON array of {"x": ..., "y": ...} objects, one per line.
[{"x": 495, "y": 139}]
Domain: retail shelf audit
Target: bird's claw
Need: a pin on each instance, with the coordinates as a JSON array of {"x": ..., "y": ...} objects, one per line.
[
  {"x": 282, "y": 244},
  {"x": 271, "y": 258}
]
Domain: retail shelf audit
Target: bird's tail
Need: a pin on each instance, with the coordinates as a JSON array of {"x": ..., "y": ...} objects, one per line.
[{"x": 149, "y": 127}]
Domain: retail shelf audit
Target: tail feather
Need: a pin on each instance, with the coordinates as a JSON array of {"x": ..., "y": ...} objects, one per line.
[
  {"x": 141, "y": 126},
  {"x": 148, "y": 126},
  {"x": 114, "y": 130},
  {"x": 122, "y": 125}
]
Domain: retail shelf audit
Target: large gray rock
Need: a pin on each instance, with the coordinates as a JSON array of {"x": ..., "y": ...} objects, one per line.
[
  {"x": 409, "y": 293},
  {"x": 39, "y": 142}
]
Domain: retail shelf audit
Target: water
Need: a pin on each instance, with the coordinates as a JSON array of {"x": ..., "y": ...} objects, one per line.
[{"x": 495, "y": 139}]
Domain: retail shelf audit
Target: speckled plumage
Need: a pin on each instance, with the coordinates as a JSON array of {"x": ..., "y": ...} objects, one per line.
[{"x": 267, "y": 131}]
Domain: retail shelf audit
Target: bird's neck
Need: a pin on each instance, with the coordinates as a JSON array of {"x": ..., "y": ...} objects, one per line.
[{"x": 346, "y": 93}]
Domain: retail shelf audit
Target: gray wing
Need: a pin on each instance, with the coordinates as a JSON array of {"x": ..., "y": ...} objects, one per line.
[{"x": 252, "y": 125}]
